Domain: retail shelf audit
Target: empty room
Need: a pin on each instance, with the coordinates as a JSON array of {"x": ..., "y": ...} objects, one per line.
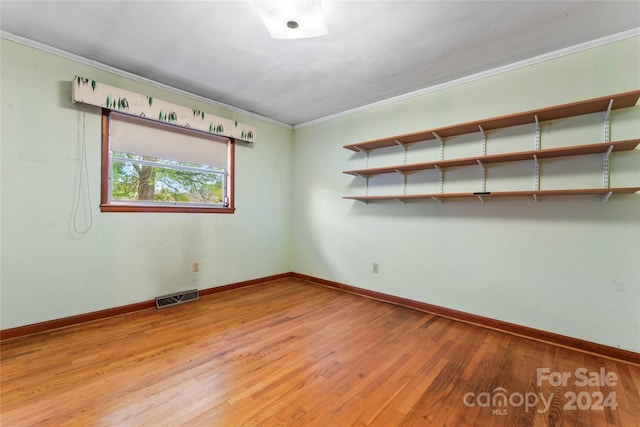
[{"x": 320, "y": 213}]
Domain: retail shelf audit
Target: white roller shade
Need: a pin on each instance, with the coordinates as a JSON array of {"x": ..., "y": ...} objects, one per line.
[{"x": 134, "y": 135}]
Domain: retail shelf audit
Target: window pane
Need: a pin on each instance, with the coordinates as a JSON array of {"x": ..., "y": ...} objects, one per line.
[
  {"x": 150, "y": 166},
  {"x": 130, "y": 156},
  {"x": 134, "y": 182}
]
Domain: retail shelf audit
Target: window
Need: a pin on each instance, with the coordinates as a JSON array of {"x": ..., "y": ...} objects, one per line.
[{"x": 149, "y": 166}]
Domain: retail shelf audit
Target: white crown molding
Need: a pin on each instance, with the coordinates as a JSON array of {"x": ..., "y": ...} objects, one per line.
[
  {"x": 85, "y": 61},
  {"x": 503, "y": 69},
  {"x": 481, "y": 75}
]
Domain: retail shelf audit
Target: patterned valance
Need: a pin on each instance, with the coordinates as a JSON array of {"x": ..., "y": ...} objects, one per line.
[{"x": 113, "y": 98}]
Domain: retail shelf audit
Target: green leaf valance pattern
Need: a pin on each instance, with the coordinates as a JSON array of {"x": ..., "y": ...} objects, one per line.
[{"x": 105, "y": 96}]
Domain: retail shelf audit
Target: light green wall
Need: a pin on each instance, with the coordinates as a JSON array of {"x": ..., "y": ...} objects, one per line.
[
  {"x": 566, "y": 265},
  {"x": 49, "y": 272}
]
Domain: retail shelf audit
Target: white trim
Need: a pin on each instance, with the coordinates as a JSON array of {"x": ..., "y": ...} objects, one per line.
[
  {"x": 85, "y": 61},
  {"x": 481, "y": 75}
]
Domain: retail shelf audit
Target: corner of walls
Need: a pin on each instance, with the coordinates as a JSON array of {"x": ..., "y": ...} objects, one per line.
[
  {"x": 289, "y": 238},
  {"x": 565, "y": 265}
]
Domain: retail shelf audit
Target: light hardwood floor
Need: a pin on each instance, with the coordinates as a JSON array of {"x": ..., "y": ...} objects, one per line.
[{"x": 297, "y": 354}]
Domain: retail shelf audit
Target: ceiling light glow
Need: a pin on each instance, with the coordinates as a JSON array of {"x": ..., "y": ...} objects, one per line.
[{"x": 293, "y": 19}]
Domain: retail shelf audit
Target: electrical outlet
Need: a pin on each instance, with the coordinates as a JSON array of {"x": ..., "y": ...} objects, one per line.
[
  {"x": 375, "y": 267},
  {"x": 196, "y": 267}
]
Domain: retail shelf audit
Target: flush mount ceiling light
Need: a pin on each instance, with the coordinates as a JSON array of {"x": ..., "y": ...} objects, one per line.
[{"x": 293, "y": 19}]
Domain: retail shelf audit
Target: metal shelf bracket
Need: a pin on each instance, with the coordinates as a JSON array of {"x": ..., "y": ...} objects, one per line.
[
  {"x": 441, "y": 176},
  {"x": 480, "y": 198},
  {"x": 366, "y": 166},
  {"x": 607, "y": 122},
  {"x": 605, "y": 197},
  {"x": 537, "y": 133},
  {"x": 484, "y": 141},
  {"x": 605, "y": 168},
  {"x": 437, "y": 199},
  {"x": 441, "y": 145},
  {"x": 404, "y": 151},
  {"x": 404, "y": 180},
  {"x": 366, "y": 155},
  {"x": 536, "y": 175},
  {"x": 483, "y": 176},
  {"x": 402, "y": 144}
]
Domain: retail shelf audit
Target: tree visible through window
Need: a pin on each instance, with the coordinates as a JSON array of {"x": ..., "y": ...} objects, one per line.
[
  {"x": 157, "y": 167},
  {"x": 135, "y": 177}
]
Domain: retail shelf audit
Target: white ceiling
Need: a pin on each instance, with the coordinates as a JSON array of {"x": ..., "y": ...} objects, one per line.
[{"x": 375, "y": 50}]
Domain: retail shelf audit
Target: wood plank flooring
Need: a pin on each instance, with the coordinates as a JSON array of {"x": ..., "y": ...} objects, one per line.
[{"x": 291, "y": 353}]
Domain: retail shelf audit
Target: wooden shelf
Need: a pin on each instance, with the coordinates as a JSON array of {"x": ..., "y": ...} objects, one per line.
[
  {"x": 622, "y": 100},
  {"x": 577, "y": 150},
  {"x": 603, "y": 104},
  {"x": 527, "y": 193}
]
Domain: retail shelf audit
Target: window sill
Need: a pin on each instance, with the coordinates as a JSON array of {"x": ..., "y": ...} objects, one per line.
[{"x": 176, "y": 209}]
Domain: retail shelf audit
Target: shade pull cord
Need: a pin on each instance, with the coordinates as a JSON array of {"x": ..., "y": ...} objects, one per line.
[{"x": 83, "y": 173}]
